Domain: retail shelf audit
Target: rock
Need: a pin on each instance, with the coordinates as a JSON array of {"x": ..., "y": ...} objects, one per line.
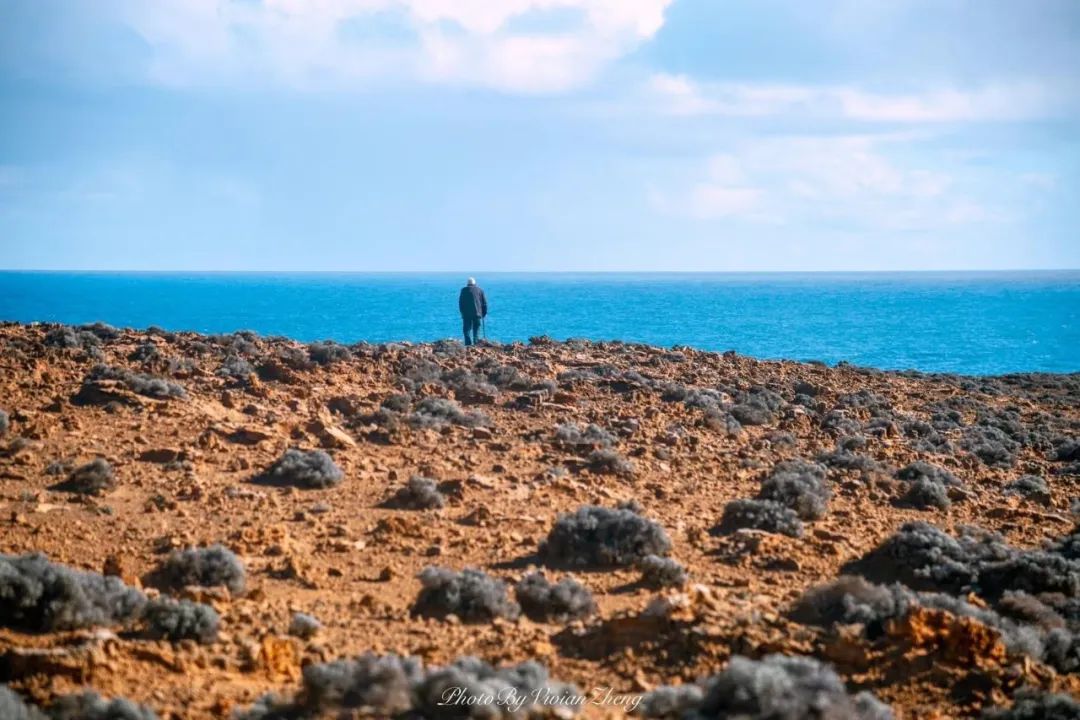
[
  {"x": 330, "y": 436},
  {"x": 247, "y": 436},
  {"x": 120, "y": 566},
  {"x": 162, "y": 455}
]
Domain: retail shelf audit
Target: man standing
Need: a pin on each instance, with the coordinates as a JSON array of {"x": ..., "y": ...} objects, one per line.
[{"x": 473, "y": 307}]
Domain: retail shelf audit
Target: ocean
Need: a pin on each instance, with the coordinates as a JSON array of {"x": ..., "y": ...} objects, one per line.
[{"x": 970, "y": 323}]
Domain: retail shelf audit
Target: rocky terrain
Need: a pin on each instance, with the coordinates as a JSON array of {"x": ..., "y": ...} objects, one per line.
[{"x": 241, "y": 526}]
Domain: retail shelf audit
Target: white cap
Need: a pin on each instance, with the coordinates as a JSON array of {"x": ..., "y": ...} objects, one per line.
[{"x": 472, "y": 281}]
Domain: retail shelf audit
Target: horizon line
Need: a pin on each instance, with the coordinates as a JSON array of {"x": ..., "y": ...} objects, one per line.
[{"x": 537, "y": 272}]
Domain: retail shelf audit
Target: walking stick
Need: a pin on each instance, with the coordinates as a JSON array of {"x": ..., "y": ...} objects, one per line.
[{"x": 483, "y": 328}]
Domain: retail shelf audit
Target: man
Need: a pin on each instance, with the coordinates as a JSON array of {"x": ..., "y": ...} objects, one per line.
[{"x": 473, "y": 307}]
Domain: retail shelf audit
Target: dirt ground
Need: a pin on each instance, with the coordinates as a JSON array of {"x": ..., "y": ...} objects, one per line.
[{"x": 187, "y": 474}]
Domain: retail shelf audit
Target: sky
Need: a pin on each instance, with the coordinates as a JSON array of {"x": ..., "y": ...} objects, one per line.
[{"x": 539, "y": 135}]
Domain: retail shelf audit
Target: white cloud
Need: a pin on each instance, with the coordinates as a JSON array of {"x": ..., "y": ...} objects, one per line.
[
  {"x": 681, "y": 95},
  {"x": 470, "y": 42},
  {"x": 709, "y": 200},
  {"x": 1040, "y": 181},
  {"x": 850, "y": 180}
]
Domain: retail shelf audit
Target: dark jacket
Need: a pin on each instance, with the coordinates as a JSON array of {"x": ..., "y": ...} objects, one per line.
[{"x": 471, "y": 302}]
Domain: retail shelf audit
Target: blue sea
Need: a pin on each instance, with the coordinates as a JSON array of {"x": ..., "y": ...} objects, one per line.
[{"x": 971, "y": 323}]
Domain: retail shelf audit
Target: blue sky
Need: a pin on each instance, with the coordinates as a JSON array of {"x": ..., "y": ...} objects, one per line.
[{"x": 539, "y": 134}]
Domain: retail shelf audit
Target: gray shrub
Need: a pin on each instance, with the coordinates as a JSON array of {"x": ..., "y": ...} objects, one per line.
[
  {"x": 305, "y": 469},
  {"x": 93, "y": 478},
  {"x": 799, "y": 486},
  {"x": 766, "y": 515},
  {"x": 609, "y": 462},
  {"x": 419, "y": 493},
  {"x": 777, "y": 687},
  {"x": 596, "y": 536},
  {"x": 304, "y": 626},
  {"x": 138, "y": 383},
  {"x": 40, "y": 596},
  {"x": 91, "y": 706},
  {"x": 437, "y": 412},
  {"x": 574, "y": 436},
  {"x": 12, "y": 707},
  {"x": 543, "y": 601},
  {"x": 207, "y": 567},
  {"x": 392, "y": 686},
  {"x": 328, "y": 352},
  {"x": 471, "y": 595},
  {"x": 1036, "y": 704},
  {"x": 660, "y": 572},
  {"x": 181, "y": 620}
]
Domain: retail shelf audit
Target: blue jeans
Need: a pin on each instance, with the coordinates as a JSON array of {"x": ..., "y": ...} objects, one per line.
[{"x": 470, "y": 325}]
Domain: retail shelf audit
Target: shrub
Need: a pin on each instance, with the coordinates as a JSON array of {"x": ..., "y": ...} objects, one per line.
[
  {"x": 146, "y": 352},
  {"x": 325, "y": 353},
  {"x": 852, "y": 600},
  {"x": 721, "y": 421},
  {"x": 1032, "y": 487},
  {"x": 800, "y": 487},
  {"x": 398, "y": 403},
  {"x": 1034, "y": 572},
  {"x": 1067, "y": 450},
  {"x": 419, "y": 493},
  {"x": 1069, "y": 545},
  {"x": 573, "y": 436},
  {"x": 138, "y": 383},
  {"x": 924, "y": 494},
  {"x": 846, "y": 600},
  {"x": 391, "y": 686},
  {"x": 703, "y": 398},
  {"x": 471, "y": 595},
  {"x": 270, "y": 706},
  {"x": 235, "y": 367},
  {"x": 751, "y": 414},
  {"x": 602, "y": 537},
  {"x": 12, "y": 707},
  {"x": 925, "y": 558},
  {"x": 927, "y": 486},
  {"x": 415, "y": 372},
  {"x": 1029, "y": 610},
  {"x": 924, "y": 470},
  {"x": 91, "y": 706},
  {"x": 39, "y": 596},
  {"x": 101, "y": 330},
  {"x": 609, "y": 462},
  {"x": 382, "y": 684},
  {"x": 757, "y": 406},
  {"x": 68, "y": 337},
  {"x": 505, "y": 376},
  {"x": 93, "y": 478},
  {"x": 658, "y": 572},
  {"x": 566, "y": 600},
  {"x": 207, "y": 567},
  {"x": 990, "y": 444},
  {"x": 777, "y": 687},
  {"x": 671, "y": 702},
  {"x": 468, "y": 387},
  {"x": 304, "y": 626},
  {"x": 304, "y": 469},
  {"x": 764, "y": 515},
  {"x": 1035, "y": 704},
  {"x": 181, "y": 620},
  {"x": 528, "y": 682},
  {"x": 437, "y": 412}
]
